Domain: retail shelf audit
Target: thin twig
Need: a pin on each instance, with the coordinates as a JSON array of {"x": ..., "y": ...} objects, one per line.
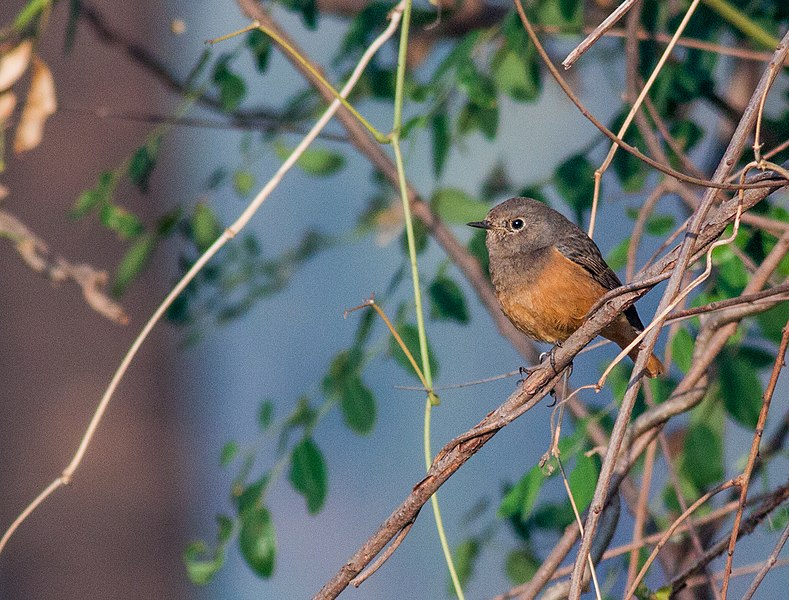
[
  {"x": 670, "y": 531},
  {"x": 771, "y": 562},
  {"x": 748, "y": 525},
  {"x": 757, "y": 438},
  {"x": 663, "y": 168},
  {"x": 226, "y": 235},
  {"x": 598, "y": 32},
  {"x": 732, "y": 153},
  {"x": 641, "y": 512}
]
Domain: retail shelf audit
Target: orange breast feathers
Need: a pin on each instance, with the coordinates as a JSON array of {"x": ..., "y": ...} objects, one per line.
[{"x": 551, "y": 300}]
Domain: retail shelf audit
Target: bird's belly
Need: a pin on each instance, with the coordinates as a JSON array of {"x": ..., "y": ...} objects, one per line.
[{"x": 553, "y": 306}]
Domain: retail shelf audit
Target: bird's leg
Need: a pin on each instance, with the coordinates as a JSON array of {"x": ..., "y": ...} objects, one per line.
[{"x": 525, "y": 372}]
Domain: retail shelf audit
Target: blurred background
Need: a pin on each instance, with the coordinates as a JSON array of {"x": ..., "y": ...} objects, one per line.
[{"x": 152, "y": 482}]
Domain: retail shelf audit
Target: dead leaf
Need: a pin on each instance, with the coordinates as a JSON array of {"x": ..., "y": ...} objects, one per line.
[
  {"x": 14, "y": 63},
  {"x": 7, "y": 104},
  {"x": 39, "y": 105}
]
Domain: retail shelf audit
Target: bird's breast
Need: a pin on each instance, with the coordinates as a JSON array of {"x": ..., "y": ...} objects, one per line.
[{"x": 545, "y": 294}]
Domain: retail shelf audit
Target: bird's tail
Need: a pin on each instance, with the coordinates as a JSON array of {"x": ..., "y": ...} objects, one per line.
[{"x": 653, "y": 368}]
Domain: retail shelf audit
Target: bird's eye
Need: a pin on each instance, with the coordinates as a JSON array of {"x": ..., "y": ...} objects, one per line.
[{"x": 517, "y": 224}]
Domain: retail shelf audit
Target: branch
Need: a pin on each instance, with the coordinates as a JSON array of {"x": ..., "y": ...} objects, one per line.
[
  {"x": 686, "y": 251},
  {"x": 228, "y": 234},
  {"x": 757, "y": 438},
  {"x": 267, "y": 119},
  {"x": 747, "y": 527},
  {"x": 35, "y": 254}
]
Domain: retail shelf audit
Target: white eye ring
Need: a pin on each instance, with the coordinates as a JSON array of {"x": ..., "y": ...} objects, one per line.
[{"x": 517, "y": 224}]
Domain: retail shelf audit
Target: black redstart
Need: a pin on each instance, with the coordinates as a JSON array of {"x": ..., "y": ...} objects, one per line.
[{"x": 548, "y": 273}]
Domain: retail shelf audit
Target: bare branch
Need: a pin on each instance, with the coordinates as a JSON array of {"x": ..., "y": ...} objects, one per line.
[
  {"x": 35, "y": 253},
  {"x": 757, "y": 438}
]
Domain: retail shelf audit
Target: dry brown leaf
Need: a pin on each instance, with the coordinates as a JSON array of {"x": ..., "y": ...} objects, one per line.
[
  {"x": 39, "y": 105},
  {"x": 14, "y": 63},
  {"x": 7, "y": 104}
]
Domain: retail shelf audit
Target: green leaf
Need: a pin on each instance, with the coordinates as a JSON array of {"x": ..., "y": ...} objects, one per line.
[
  {"x": 521, "y": 566},
  {"x": 232, "y": 88},
  {"x": 574, "y": 180},
  {"x": 568, "y": 8},
  {"x": 410, "y": 336},
  {"x": 686, "y": 133},
  {"x": 179, "y": 310},
  {"x": 201, "y": 571},
  {"x": 260, "y": 46},
  {"x": 132, "y": 263},
  {"x": 521, "y": 498},
  {"x": 583, "y": 480},
  {"x": 660, "y": 224},
  {"x": 772, "y": 321},
  {"x": 454, "y": 205},
  {"x": 447, "y": 301},
  {"x": 565, "y": 14},
  {"x": 553, "y": 516},
  {"x": 258, "y": 541},
  {"x": 204, "y": 225},
  {"x": 682, "y": 349},
  {"x": 308, "y": 474},
  {"x": 421, "y": 238},
  {"x": 315, "y": 161},
  {"x": 31, "y": 11},
  {"x": 168, "y": 222},
  {"x": 702, "y": 456},
  {"x": 479, "y": 88},
  {"x": 303, "y": 415},
  {"x": 143, "y": 162},
  {"x": 516, "y": 74},
  {"x": 631, "y": 171},
  {"x": 475, "y": 117},
  {"x": 465, "y": 557},
  {"x": 417, "y": 123},
  {"x": 740, "y": 387},
  {"x": 265, "y": 414},
  {"x": 90, "y": 199},
  {"x": 243, "y": 182},
  {"x": 343, "y": 367},
  {"x": 441, "y": 140},
  {"x": 757, "y": 357},
  {"x": 229, "y": 451},
  {"x": 250, "y": 497},
  {"x": 617, "y": 257},
  {"x": 124, "y": 223},
  {"x": 732, "y": 274},
  {"x": 535, "y": 192},
  {"x": 308, "y": 10},
  {"x": 358, "y": 406}
]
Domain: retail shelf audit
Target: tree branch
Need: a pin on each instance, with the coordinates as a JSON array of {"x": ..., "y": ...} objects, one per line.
[{"x": 35, "y": 253}]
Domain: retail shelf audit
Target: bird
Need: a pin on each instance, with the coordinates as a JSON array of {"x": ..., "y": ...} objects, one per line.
[{"x": 548, "y": 273}]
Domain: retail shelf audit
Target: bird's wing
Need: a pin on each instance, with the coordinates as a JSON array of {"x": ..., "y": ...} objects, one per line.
[{"x": 582, "y": 250}]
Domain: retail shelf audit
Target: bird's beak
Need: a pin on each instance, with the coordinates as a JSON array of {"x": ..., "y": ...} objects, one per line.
[{"x": 480, "y": 224}]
